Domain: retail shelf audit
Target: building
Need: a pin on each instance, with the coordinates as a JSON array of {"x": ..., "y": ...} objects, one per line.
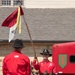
[{"x": 49, "y": 22}]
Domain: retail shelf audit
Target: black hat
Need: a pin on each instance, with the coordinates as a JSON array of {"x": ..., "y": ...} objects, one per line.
[
  {"x": 18, "y": 44},
  {"x": 46, "y": 52}
]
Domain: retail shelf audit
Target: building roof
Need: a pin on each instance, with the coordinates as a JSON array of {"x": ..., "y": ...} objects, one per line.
[{"x": 44, "y": 24}]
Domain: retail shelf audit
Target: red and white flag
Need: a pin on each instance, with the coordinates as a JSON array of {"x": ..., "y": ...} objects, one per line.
[{"x": 13, "y": 21}]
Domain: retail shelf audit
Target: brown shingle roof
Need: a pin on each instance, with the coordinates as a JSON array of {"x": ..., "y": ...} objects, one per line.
[{"x": 44, "y": 24}]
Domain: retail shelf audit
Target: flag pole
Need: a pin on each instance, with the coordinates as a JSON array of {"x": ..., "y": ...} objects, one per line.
[
  {"x": 35, "y": 56},
  {"x": 19, "y": 2}
]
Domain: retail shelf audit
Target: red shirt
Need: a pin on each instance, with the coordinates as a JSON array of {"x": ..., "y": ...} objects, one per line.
[
  {"x": 44, "y": 66},
  {"x": 16, "y": 64}
]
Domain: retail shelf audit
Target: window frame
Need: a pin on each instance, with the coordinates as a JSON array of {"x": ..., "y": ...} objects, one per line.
[
  {"x": 6, "y": 3},
  {"x": 71, "y": 59},
  {"x": 12, "y": 4}
]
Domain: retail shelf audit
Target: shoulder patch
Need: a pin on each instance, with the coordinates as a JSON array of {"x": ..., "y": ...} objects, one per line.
[{"x": 16, "y": 56}]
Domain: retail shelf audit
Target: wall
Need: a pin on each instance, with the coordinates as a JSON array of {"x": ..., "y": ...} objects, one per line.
[
  {"x": 50, "y": 3},
  {"x": 6, "y": 48}
]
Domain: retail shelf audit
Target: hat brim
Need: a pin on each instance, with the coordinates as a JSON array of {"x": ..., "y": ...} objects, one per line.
[
  {"x": 46, "y": 54},
  {"x": 18, "y": 46}
]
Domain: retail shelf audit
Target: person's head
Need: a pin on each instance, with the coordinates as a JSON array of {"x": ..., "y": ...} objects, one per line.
[
  {"x": 18, "y": 44},
  {"x": 46, "y": 54}
]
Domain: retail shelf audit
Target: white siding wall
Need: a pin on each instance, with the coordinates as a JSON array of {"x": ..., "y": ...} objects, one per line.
[
  {"x": 46, "y": 4},
  {"x": 50, "y": 3}
]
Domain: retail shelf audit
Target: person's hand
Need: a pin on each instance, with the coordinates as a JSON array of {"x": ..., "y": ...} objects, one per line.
[
  {"x": 35, "y": 58},
  {"x": 46, "y": 73}
]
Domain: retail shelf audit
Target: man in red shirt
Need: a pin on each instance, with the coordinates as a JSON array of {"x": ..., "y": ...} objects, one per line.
[
  {"x": 16, "y": 63},
  {"x": 45, "y": 67}
]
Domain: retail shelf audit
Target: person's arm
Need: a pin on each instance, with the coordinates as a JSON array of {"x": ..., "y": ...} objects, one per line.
[
  {"x": 28, "y": 67},
  {"x": 4, "y": 68},
  {"x": 54, "y": 71},
  {"x": 50, "y": 73},
  {"x": 46, "y": 73},
  {"x": 35, "y": 64}
]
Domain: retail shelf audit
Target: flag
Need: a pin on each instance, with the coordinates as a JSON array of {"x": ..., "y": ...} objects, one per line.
[{"x": 13, "y": 21}]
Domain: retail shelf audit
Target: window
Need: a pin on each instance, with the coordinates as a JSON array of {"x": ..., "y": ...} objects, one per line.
[
  {"x": 18, "y": 2},
  {"x": 6, "y": 2},
  {"x": 72, "y": 58}
]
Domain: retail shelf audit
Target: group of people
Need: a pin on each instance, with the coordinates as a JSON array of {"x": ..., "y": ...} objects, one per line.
[{"x": 17, "y": 63}]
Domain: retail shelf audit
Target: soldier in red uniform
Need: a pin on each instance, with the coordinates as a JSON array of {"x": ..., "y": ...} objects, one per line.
[
  {"x": 45, "y": 67},
  {"x": 16, "y": 63}
]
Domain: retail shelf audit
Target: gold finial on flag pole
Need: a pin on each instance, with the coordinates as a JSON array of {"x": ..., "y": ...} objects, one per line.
[{"x": 19, "y": 2}]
